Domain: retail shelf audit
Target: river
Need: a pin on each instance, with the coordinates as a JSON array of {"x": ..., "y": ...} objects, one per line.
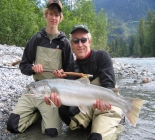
[
  {"x": 145, "y": 128},
  {"x": 129, "y": 87},
  {"x": 143, "y": 63}
]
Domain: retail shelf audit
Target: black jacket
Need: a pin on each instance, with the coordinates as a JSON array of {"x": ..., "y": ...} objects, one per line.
[
  {"x": 29, "y": 54},
  {"x": 98, "y": 64}
]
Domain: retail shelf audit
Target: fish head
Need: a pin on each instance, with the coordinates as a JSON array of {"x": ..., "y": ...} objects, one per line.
[{"x": 37, "y": 89}]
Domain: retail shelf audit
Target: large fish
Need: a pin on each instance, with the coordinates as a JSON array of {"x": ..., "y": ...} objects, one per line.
[{"x": 82, "y": 94}]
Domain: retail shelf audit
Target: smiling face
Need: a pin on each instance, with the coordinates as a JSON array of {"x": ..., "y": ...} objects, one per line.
[
  {"x": 80, "y": 49},
  {"x": 53, "y": 16}
]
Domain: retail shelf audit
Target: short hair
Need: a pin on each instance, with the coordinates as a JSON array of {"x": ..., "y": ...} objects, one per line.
[{"x": 53, "y": 8}]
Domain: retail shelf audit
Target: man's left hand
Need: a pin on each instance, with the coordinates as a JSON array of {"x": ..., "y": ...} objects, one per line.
[{"x": 59, "y": 73}]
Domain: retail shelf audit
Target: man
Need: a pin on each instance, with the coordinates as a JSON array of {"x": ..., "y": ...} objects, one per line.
[
  {"x": 47, "y": 50},
  {"x": 97, "y": 63}
]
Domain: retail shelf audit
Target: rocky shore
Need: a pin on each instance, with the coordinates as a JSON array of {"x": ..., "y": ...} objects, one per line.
[{"x": 12, "y": 82}]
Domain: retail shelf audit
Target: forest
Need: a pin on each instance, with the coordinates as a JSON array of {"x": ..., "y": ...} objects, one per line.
[
  {"x": 21, "y": 19},
  {"x": 140, "y": 44}
]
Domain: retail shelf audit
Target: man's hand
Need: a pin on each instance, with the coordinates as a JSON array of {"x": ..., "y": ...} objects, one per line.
[
  {"x": 38, "y": 68},
  {"x": 54, "y": 98},
  {"x": 99, "y": 105},
  {"x": 59, "y": 73}
]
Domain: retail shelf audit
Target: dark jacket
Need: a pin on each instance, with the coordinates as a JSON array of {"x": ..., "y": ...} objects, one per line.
[
  {"x": 29, "y": 54},
  {"x": 98, "y": 64}
]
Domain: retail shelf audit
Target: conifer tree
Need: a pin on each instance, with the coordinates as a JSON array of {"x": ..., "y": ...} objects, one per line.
[{"x": 141, "y": 37}]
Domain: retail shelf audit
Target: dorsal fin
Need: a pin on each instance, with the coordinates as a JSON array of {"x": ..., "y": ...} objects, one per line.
[
  {"x": 84, "y": 80},
  {"x": 116, "y": 90}
]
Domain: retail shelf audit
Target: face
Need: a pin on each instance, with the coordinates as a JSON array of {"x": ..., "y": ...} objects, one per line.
[
  {"x": 80, "y": 49},
  {"x": 52, "y": 18}
]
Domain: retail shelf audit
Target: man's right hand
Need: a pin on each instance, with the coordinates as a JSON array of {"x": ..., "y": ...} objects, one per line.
[
  {"x": 100, "y": 106},
  {"x": 38, "y": 68}
]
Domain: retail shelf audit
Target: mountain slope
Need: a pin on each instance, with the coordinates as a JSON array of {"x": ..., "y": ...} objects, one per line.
[
  {"x": 125, "y": 10},
  {"x": 125, "y": 14}
]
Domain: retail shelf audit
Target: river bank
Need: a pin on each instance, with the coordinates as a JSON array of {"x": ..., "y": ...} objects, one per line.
[{"x": 129, "y": 80}]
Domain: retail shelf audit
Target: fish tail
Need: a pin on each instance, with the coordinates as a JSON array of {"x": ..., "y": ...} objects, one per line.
[{"x": 133, "y": 112}]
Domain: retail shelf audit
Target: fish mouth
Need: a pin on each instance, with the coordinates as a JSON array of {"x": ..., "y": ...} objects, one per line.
[{"x": 33, "y": 91}]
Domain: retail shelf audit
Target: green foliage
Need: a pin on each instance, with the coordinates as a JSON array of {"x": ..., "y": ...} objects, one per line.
[
  {"x": 141, "y": 44},
  {"x": 131, "y": 44},
  {"x": 136, "y": 47},
  {"x": 20, "y": 19},
  {"x": 141, "y": 36},
  {"x": 99, "y": 31},
  {"x": 84, "y": 12},
  {"x": 152, "y": 37},
  {"x": 118, "y": 48}
]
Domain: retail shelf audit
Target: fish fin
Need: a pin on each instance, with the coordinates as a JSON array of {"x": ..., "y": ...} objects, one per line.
[
  {"x": 116, "y": 90},
  {"x": 133, "y": 112},
  {"x": 84, "y": 80},
  {"x": 49, "y": 90},
  {"x": 52, "y": 104},
  {"x": 82, "y": 109}
]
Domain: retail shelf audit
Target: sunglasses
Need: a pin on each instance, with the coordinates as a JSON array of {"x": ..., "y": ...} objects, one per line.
[{"x": 76, "y": 40}]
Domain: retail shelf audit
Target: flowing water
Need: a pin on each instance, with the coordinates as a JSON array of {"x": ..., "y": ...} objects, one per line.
[
  {"x": 145, "y": 128},
  {"x": 143, "y": 63}
]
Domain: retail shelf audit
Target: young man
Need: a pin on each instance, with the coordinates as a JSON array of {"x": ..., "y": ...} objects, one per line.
[
  {"x": 97, "y": 63},
  {"x": 47, "y": 50}
]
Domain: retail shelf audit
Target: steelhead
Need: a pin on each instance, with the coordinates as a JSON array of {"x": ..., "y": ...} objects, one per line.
[{"x": 82, "y": 94}]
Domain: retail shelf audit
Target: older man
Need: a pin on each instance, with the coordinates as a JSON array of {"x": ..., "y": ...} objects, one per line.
[{"x": 104, "y": 123}]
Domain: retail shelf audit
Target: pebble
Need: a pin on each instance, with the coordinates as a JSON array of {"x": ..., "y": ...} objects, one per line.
[
  {"x": 1, "y": 105},
  {"x": 12, "y": 83}
]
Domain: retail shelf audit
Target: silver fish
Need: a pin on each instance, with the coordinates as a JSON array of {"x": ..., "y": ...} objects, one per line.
[{"x": 82, "y": 94}]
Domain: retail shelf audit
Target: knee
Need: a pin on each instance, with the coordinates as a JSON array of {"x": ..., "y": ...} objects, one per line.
[
  {"x": 12, "y": 124},
  {"x": 64, "y": 114},
  {"x": 63, "y": 110},
  {"x": 95, "y": 136},
  {"x": 52, "y": 132},
  {"x": 73, "y": 111}
]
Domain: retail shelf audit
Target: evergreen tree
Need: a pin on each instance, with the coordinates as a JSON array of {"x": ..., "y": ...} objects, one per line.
[
  {"x": 141, "y": 37},
  {"x": 124, "y": 48},
  {"x": 149, "y": 16},
  {"x": 152, "y": 37},
  {"x": 131, "y": 45},
  {"x": 136, "y": 47}
]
